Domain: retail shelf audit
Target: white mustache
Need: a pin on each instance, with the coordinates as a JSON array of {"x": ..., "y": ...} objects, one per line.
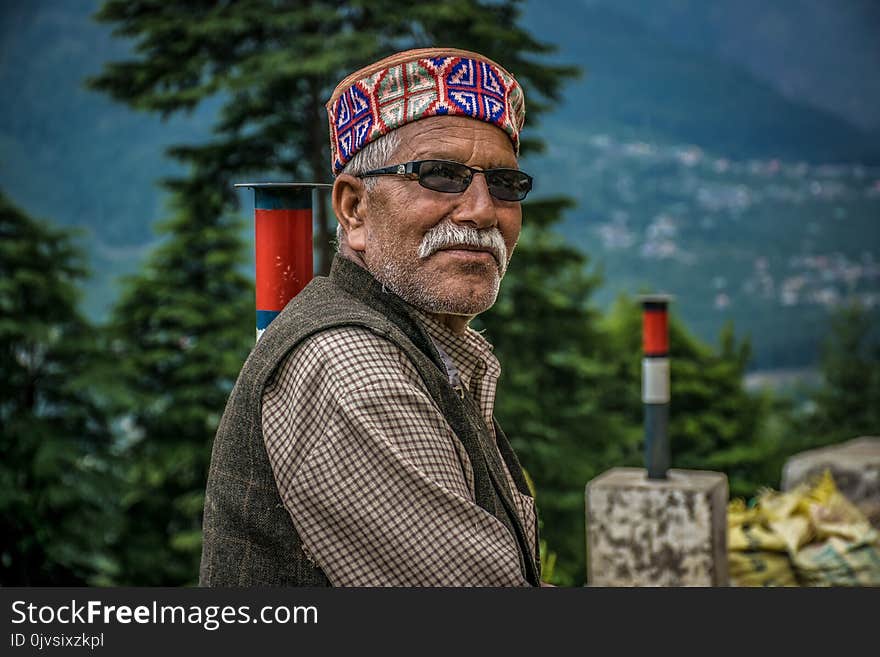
[{"x": 448, "y": 234}]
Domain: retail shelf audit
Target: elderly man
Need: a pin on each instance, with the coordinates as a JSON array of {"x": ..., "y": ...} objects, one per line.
[{"x": 359, "y": 447}]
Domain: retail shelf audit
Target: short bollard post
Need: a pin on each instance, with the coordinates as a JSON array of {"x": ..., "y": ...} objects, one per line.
[
  {"x": 655, "y": 383},
  {"x": 656, "y": 526}
]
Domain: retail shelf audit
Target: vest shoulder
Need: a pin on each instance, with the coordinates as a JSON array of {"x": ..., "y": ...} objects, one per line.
[{"x": 323, "y": 303}]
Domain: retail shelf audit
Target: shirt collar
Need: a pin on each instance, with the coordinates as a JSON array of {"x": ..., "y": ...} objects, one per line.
[{"x": 469, "y": 350}]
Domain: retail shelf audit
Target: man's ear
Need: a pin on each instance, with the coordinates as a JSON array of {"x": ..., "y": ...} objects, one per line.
[{"x": 349, "y": 204}]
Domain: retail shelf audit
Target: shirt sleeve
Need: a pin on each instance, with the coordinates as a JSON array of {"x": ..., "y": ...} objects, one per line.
[{"x": 376, "y": 483}]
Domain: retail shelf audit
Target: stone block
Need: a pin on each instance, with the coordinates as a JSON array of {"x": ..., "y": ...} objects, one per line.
[
  {"x": 670, "y": 532},
  {"x": 855, "y": 466}
]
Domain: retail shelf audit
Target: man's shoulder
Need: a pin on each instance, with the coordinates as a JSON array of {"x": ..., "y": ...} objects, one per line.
[
  {"x": 340, "y": 344},
  {"x": 344, "y": 358}
]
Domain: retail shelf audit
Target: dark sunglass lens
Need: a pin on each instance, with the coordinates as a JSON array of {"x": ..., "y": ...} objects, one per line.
[
  {"x": 444, "y": 176},
  {"x": 508, "y": 184}
]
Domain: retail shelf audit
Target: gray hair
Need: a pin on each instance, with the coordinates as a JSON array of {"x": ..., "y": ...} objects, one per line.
[{"x": 374, "y": 155}]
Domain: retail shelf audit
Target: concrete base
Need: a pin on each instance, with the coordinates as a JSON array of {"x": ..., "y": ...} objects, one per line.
[
  {"x": 670, "y": 532},
  {"x": 855, "y": 466}
]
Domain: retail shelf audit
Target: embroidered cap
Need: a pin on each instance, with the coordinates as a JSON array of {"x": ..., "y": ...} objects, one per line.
[{"x": 416, "y": 84}]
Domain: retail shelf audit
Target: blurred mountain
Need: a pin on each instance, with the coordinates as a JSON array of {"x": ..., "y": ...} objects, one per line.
[
  {"x": 75, "y": 156},
  {"x": 697, "y": 178},
  {"x": 822, "y": 53},
  {"x": 726, "y": 152},
  {"x": 645, "y": 84}
]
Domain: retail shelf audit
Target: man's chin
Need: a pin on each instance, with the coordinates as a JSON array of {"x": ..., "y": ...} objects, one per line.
[
  {"x": 442, "y": 302},
  {"x": 466, "y": 289}
]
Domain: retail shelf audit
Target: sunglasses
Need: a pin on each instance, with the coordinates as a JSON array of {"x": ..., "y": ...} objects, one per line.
[{"x": 455, "y": 177}]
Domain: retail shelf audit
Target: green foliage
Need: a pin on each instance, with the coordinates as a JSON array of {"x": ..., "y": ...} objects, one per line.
[
  {"x": 57, "y": 487},
  {"x": 180, "y": 333},
  {"x": 848, "y": 405}
]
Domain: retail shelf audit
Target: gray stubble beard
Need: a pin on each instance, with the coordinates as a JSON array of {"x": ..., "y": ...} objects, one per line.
[{"x": 409, "y": 283}]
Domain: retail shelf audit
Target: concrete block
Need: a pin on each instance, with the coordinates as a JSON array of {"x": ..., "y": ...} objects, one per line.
[
  {"x": 670, "y": 532},
  {"x": 855, "y": 466}
]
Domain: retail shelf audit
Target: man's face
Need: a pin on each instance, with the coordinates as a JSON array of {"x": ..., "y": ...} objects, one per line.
[{"x": 403, "y": 218}]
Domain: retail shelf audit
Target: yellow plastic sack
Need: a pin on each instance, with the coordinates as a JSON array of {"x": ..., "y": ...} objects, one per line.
[
  {"x": 757, "y": 568},
  {"x": 844, "y": 549},
  {"x": 757, "y": 556},
  {"x": 809, "y": 536}
]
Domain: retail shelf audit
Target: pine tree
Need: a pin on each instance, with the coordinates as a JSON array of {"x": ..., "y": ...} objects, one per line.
[
  {"x": 847, "y": 405},
  {"x": 181, "y": 331},
  {"x": 56, "y": 484}
]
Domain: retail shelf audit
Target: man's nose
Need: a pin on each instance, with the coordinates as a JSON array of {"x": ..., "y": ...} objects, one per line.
[{"x": 477, "y": 206}]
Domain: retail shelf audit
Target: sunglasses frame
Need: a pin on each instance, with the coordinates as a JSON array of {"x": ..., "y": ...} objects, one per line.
[{"x": 411, "y": 170}]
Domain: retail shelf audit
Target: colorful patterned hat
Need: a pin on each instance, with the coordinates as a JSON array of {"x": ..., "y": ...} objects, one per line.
[{"x": 416, "y": 84}]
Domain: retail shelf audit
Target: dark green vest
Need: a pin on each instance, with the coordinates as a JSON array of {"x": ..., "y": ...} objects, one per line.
[{"x": 248, "y": 536}]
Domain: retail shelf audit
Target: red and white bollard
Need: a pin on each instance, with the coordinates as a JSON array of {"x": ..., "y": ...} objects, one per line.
[
  {"x": 655, "y": 383},
  {"x": 283, "y": 243}
]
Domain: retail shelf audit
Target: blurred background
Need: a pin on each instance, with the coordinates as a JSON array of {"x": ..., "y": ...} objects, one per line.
[{"x": 724, "y": 152}]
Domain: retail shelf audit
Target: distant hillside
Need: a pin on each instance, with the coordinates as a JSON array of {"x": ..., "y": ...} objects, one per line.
[
  {"x": 772, "y": 245},
  {"x": 695, "y": 178},
  {"x": 72, "y": 155},
  {"x": 824, "y": 53},
  {"x": 68, "y": 152},
  {"x": 642, "y": 85}
]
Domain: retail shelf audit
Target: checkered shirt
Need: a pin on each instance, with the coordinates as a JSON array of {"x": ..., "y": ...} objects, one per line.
[{"x": 378, "y": 486}]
